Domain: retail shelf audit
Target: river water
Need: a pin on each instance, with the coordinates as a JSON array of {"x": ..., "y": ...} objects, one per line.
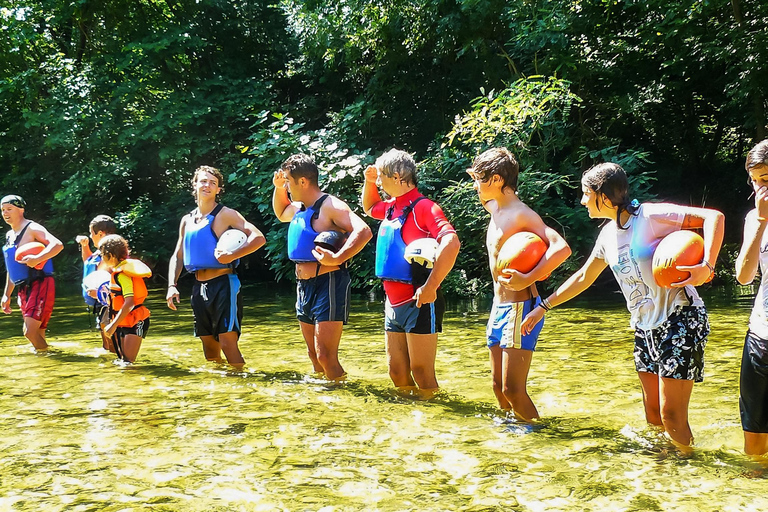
[{"x": 173, "y": 432}]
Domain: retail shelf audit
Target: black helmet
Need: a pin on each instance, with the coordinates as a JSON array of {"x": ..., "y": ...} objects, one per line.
[{"x": 330, "y": 240}]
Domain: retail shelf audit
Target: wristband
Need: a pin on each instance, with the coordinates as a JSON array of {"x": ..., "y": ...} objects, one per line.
[
  {"x": 711, "y": 270},
  {"x": 545, "y": 305}
]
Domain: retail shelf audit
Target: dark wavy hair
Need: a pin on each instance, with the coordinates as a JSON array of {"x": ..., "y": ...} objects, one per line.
[
  {"x": 610, "y": 180},
  {"x": 498, "y": 161},
  {"x": 302, "y": 166},
  {"x": 757, "y": 156}
]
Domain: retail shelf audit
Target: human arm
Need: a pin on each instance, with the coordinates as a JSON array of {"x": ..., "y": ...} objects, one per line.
[
  {"x": 254, "y": 241},
  {"x": 712, "y": 223},
  {"x": 349, "y": 222},
  {"x": 281, "y": 203},
  {"x": 6, "y": 301},
  {"x": 748, "y": 260},
  {"x": 445, "y": 258},
  {"x": 174, "y": 268},
  {"x": 370, "y": 193},
  {"x": 573, "y": 286},
  {"x": 85, "y": 247},
  {"x": 53, "y": 246},
  {"x": 126, "y": 308}
]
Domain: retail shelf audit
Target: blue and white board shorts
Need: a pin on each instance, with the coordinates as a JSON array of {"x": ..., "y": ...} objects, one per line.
[{"x": 504, "y": 325}]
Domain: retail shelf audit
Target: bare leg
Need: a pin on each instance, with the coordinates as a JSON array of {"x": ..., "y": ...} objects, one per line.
[
  {"x": 516, "y": 364},
  {"x": 398, "y": 360},
  {"x": 675, "y": 396},
  {"x": 327, "y": 338},
  {"x": 650, "y": 385},
  {"x": 35, "y": 334},
  {"x": 228, "y": 345},
  {"x": 131, "y": 346},
  {"x": 422, "y": 350},
  {"x": 755, "y": 444},
  {"x": 496, "y": 373},
  {"x": 308, "y": 332},
  {"x": 211, "y": 349}
]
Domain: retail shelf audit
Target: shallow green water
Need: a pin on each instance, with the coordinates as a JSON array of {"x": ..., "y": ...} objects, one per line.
[{"x": 176, "y": 433}]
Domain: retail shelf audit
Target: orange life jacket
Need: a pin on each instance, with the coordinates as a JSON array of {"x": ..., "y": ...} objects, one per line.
[{"x": 137, "y": 271}]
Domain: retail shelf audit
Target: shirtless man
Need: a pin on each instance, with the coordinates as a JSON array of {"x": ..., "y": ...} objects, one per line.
[
  {"x": 216, "y": 300},
  {"x": 37, "y": 289},
  {"x": 322, "y": 303},
  {"x": 495, "y": 174}
]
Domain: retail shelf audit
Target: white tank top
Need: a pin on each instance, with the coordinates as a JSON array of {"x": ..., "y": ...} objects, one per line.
[{"x": 758, "y": 321}]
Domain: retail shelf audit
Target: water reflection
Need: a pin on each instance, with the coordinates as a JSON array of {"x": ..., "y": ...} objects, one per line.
[{"x": 176, "y": 433}]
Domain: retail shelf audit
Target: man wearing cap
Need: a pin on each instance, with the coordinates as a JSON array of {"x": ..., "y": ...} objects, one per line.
[
  {"x": 323, "y": 282},
  {"x": 32, "y": 273}
]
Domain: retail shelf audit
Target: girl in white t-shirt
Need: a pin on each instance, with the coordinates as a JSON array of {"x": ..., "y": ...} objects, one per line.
[
  {"x": 670, "y": 324},
  {"x": 753, "y": 385}
]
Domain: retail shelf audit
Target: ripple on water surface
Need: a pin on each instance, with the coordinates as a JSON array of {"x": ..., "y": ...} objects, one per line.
[{"x": 175, "y": 433}]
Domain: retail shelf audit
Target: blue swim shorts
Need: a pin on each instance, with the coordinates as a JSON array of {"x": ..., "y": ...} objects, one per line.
[
  {"x": 504, "y": 325},
  {"x": 324, "y": 298},
  {"x": 428, "y": 319}
]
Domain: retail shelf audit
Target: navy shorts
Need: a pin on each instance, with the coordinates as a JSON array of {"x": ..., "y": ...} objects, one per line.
[
  {"x": 753, "y": 385},
  {"x": 504, "y": 325},
  {"x": 428, "y": 319},
  {"x": 324, "y": 298},
  {"x": 217, "y": 305},
  {"x": 675, "y": 349}
]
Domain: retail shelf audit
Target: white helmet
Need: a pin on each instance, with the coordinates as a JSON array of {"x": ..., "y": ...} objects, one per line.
[{"x": 422, "y": 251}]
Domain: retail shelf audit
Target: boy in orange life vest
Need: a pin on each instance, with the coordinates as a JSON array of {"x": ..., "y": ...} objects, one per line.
[{"x": 130, "y": 317}]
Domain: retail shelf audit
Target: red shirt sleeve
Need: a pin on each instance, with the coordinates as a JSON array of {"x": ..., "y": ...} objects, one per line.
[
  {"x": 379, "y": 210},
  {"x": 429, "y": 218}
]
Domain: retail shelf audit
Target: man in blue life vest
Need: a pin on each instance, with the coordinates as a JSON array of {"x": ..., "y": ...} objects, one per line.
[
  {"x": 100, "y": 226},
  {"x": 33, "y": 273},
  {"x": 216, "y": 300},
  {"x": 322, "y": 303}
]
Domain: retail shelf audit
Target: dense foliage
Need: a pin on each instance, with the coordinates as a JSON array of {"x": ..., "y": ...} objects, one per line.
[{"x": 108, "y": 106}]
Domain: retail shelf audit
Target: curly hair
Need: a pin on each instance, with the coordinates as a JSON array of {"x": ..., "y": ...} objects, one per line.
[{"x": 114, "y": 246}]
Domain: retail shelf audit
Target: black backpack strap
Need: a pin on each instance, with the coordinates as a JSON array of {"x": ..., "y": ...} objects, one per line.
[
  {"x": 216, "y": 210},
  {"x": 18, "y": 236},
  {"x": 408, "y": 209},
  {"x": 316, "y": 207}
]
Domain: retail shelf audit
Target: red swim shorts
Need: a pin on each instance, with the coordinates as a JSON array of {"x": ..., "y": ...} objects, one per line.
[{"x": 36, "y": 300}]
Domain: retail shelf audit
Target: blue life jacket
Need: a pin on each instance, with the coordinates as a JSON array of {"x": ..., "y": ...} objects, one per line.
[
  {"x": 301, "y": 236},
  {"x": 200, "y": 242},
  {"x": 390, "y": 247},
  {"x": 18, "y": 272},
  {"x": 90, "y": 265}
]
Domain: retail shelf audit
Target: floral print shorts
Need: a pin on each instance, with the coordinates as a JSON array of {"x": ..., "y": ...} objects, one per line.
[{"x": 675, "y": 349}]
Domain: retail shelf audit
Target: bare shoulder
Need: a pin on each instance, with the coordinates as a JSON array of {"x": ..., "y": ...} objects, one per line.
[{"x": 335, "y": 203}]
